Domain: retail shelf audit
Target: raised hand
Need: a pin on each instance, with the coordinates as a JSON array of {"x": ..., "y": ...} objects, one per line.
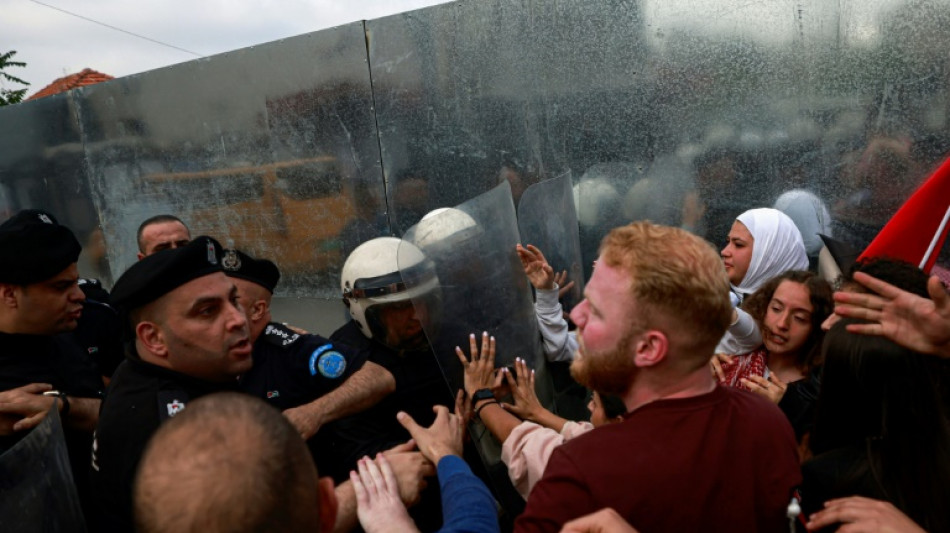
[
  {"x": 480, "y": 371},
  {"x": 920, "y": 324},
  {"x": 536, "y": 267}
]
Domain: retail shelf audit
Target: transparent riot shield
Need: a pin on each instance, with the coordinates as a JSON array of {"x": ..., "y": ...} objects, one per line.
[
  {"x": 547, "y": 219},
  {"x": 471, "y": 249},
  {"x": 37, "y": 483}
]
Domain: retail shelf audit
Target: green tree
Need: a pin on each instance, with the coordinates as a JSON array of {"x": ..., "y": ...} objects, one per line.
[{"x": 10, "y": 96}]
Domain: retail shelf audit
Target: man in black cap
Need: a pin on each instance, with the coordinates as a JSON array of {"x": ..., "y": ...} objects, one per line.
[
  {"x": 308, "y": 377},
  {"x": 40, "y": 304},
  {"x": 189, "y": 337}
]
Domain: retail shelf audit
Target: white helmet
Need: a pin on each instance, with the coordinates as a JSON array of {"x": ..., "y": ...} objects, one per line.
[
  {"x": 441, "y": 228},
  {"x": 382, "y": 271}
]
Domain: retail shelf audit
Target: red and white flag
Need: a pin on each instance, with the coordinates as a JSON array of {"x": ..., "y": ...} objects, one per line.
[{"x": 917, "y": 231}]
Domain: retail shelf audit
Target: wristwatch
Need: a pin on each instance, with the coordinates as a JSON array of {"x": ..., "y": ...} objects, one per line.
[
  {"x": 482, "y": 394},
  {"x": 62, "y": 397}
]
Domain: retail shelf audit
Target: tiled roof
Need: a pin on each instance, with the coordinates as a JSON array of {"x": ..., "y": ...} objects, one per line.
[{"x": 80, "y": 79}]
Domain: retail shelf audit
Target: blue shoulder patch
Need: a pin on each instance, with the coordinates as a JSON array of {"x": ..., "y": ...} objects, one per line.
[{"x": 329, "y": 363}]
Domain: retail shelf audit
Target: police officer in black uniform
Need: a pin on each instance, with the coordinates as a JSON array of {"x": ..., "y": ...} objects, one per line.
[
  {"x": 99, "y": 332},
  {"x": 40, "y": 307},
  {"x": 311, "y": 379},
  {"x": 188, "y": 337},
  {"x": 386, "y": 323}
]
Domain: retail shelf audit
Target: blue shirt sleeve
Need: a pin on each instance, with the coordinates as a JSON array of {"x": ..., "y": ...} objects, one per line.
[{"x": 467, "y": 505}]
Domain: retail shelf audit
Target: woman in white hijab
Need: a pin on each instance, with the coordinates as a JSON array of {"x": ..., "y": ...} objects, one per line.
[{"x": 763, "y": 243}]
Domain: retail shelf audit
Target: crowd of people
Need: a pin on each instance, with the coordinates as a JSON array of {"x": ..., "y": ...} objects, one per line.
[{"x": 730, "y": 390}]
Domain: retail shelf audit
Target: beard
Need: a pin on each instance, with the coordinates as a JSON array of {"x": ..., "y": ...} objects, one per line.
[{"x": 608, "y": 371}]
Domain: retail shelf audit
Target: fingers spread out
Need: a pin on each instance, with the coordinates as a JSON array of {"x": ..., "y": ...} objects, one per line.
[{"x": 473, "y": 347}]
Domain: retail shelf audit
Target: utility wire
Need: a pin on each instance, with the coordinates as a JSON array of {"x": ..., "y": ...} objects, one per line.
[{"x": 117, "y": 29}]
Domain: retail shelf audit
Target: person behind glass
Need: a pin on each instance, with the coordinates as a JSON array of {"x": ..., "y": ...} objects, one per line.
[
  {"x": 881, "y": 429},
  {"x": 762, "y": 244},
  {"x": 188, "y": 336},
  {"x": 689, "y": 455},
  {"x": 41, "y": 364},
  {"x": 387, "y": 324},
  {"x": 161, "y": 232},
  {"x": 789, "y": 310},
  {"x": 230, "y": 463}
]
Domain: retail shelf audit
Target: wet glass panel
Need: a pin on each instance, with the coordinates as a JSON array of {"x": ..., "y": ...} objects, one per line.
[
  {"x": 270, "y": 149},
  {"x": 468, "y": 279},
  {"x": 548, "y": 221},
  {"x": 41, "y": 167},
  {"x": 683, "y": 112}
]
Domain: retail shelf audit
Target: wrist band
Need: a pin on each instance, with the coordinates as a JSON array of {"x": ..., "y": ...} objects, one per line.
[
  {"x": 482, "y": 406},
  {"x": 62, "y": 396}
]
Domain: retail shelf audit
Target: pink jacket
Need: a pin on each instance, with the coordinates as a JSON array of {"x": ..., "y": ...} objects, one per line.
[{"x": 527, "y": 450}]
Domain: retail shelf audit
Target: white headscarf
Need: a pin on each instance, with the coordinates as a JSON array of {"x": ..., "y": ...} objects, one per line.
[{"x": 778, "y": 247}]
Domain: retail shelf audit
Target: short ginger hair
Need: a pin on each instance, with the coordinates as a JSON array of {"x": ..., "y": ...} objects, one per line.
[{"x": 676, "y": 278}]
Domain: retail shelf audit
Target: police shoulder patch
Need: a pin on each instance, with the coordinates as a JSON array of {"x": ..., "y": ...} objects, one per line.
[
  {"x": 170, "y": 403},
  {"x": 280, "y": 335},
  {"x": 328, "y": 362}
]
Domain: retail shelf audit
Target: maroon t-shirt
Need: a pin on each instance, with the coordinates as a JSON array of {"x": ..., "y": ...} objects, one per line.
[{"x": 722, "y": 461}]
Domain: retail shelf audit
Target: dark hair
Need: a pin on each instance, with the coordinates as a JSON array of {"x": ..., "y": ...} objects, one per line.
[
  {"x": 613, "y": 405},
  {"x": 897, "y": 272},
  {"x": 157, "y": 219},
  {"x": 819, "y": 294},
  {"x": 882, "y": 398},
  {"x": 228, "y": 462}
]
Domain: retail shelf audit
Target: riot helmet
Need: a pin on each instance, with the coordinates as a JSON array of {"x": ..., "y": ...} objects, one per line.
[{"x": 383, "y": 282}]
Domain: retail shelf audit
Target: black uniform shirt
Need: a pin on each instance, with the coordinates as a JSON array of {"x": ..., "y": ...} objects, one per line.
[
  {"x": 140, "y": 397},
  {"x": 99, "y": 331},
  {"x": 57, "y": 360},
  {"x": 61, "y": 362},
  {"x": 419, "y": 385},
  {"x": 291, "y": 370}
]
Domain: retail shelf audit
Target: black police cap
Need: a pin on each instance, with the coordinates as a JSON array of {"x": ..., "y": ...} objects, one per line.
[
  {"x": 238, "y": 264},
  {"x": 35, "y": 247},
  {"x": 160, "y": 273}
]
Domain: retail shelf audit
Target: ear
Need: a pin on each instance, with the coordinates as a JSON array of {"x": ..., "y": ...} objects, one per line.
[
  {"x": 257, "y": 311},
  {"x": 140, "y": 255},
  {"x": 328, "y": 504},
  {"x": 151, "y": 337},
  {"x": 8, "y": 295},
  {"x": 651, "y": 348}
]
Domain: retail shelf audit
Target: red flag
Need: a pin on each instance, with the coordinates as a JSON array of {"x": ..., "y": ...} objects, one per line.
[{"x": 917, "y": 230}]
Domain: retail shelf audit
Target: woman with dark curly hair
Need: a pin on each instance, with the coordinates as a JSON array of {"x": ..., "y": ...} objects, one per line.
[{"x": 789, "y": 310}]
